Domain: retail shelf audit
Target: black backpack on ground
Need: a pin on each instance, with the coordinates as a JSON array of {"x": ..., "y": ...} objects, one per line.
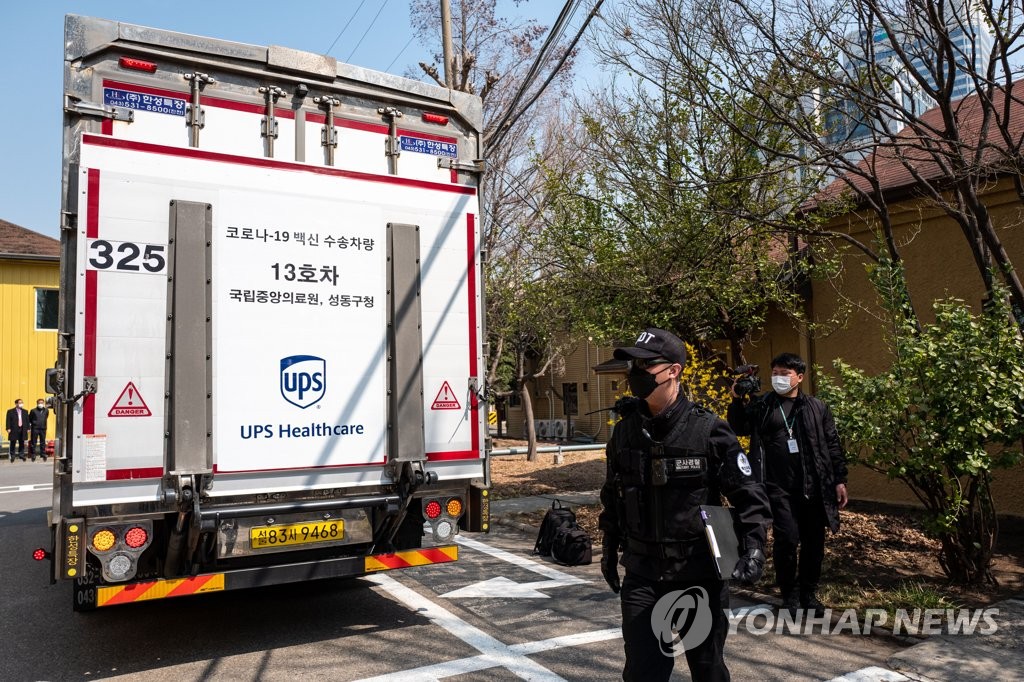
[{"x": 562, "y": 539}]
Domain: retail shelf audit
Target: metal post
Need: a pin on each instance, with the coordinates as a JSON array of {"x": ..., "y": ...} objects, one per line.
[{"x": 446, "y": 42}]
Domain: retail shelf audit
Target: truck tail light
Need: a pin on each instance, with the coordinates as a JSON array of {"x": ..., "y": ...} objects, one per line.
[
  {"x": 435, "y": 118},
  {"x": 137, "y": 64},
  {"x": 136, "y": 537},
  {"x": 454, "y": 507},
  {"x": 103, "y": 540},
  {"x": 39, "y": 554},
  {"x": 433, "y": 509}
]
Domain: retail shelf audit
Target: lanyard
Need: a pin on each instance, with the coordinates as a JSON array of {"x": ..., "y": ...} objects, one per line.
[{"x": 789, "y": 428}]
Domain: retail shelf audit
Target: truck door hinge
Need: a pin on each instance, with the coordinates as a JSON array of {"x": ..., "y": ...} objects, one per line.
[
  {"x": 328, "y": 134},
  {"x": 268, "y": 127},
  {"x": 195, "y": 117},
  {"x": 392, "y": 150},
  {"x": 474, "y": 166},
  {"x": 74, "y": 105}
]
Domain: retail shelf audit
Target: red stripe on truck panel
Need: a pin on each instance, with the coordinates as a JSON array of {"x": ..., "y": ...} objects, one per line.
[
  {"x": 471, "y": 276},
  {"x": 204, "y": 100},
  {"x": 453, "y": 455},
  {"x": 92, "y": 230},
  {"x": 191, "y": 153},
  {"x": 131, "y": 474}
]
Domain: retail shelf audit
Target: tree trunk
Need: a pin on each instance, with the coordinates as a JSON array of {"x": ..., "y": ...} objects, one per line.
[{"x": 531, "y": 434}]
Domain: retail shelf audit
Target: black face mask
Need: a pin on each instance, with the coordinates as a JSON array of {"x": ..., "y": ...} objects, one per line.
[{"x": 642, "y": 383}]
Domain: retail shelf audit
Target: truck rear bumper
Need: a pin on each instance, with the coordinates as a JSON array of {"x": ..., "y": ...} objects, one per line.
[{"x": 239, "y": 579}]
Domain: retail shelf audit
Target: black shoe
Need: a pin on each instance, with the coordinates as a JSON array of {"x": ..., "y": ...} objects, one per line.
[
  {"x": 33, "y": 458},
  {"x": 23, "y": 458},
  {"x": 810, "y": 602},
  {"x": 790, "y": 601}
]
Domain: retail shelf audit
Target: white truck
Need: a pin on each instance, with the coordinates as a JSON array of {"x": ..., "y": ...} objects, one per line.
[{"x": 270, "y": 363}]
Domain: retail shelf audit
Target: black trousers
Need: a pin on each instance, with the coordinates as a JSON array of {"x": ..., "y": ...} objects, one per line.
[
  {"x": 646, "y": 660},
  {"x": 17, "y": 436},
  {"x": 797, "y": 522},
  {"x": 40, "y": 435}
]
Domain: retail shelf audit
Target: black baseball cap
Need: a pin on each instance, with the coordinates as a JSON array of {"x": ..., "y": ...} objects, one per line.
[{"x": 654, "y": 343}]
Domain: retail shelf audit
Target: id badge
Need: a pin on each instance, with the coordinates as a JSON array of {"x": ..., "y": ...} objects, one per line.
[{"x": 793, "y": 447}]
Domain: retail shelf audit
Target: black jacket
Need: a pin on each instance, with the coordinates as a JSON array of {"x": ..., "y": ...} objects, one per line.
[
  {"x": 12, "y": 420},
  {"x": 818, "y": 434},
  {"x": 37, "y": 418},
  {"x": 727, "y": 472}
]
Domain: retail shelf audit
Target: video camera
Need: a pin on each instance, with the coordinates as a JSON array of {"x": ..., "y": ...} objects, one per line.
[{"x": 750, "y": 383}]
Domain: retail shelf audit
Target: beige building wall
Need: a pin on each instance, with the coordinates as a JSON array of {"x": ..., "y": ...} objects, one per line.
[{"x": 938, "y": 265}]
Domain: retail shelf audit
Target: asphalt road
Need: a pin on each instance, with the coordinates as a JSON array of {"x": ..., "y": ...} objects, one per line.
[{"x": 546, "y": 622}]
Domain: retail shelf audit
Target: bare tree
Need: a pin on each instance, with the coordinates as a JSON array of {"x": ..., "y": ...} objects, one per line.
[
  {"x": 856, "y": 86},
  {"x": 500, "y": 59}
]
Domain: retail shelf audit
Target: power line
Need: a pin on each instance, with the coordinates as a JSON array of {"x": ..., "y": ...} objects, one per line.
[
  {"x": 338, "y": 37},
  {"x": 400, "y": 53},
  {"x": 511, "y": 116},
  {"x": 382, "y": 6}
]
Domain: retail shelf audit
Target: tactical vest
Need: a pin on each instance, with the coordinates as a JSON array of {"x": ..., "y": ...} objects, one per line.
[{"x": 661, "y": 485}]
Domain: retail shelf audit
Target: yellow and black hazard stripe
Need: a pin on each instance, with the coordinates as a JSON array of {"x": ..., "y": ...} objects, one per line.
[
  {"x": 146, "y": 590},
  {"x": 413, "y": 557},
  {"x": 159, "y": 589}
]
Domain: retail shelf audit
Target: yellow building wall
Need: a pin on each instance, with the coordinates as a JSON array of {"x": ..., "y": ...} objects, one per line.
[
  {"x": 938, "y": 265},
  {"x": 25, "y": 352},
  {"x": 593, "y": 392}
]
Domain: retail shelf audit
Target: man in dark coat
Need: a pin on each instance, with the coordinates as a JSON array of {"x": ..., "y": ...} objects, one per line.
[
  {"x": 804, "y": 473},
  {"x": 17, "y": 429},
  {"x": 666, "y": 457},
  {"x": 37, "y": 421}
]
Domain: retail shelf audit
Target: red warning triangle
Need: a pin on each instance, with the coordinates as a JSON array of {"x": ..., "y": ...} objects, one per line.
[
  {"x": 446, "y": 399},
  {"x": 130, "y": 404}
]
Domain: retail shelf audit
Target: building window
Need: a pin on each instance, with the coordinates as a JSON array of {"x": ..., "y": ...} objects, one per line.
[{"x": 46, "y": 309}]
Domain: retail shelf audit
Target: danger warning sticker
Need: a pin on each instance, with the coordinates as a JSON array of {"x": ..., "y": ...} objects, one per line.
[
  {"x": 130, "y": 404},
  {"x": 446, "y": 399}
]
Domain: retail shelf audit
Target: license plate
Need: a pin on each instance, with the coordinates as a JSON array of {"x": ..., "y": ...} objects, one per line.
[{"x": 297, "y": 534}]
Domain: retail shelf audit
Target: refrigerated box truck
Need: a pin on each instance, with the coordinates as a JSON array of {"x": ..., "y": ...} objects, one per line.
[{"x": 270, "y": 363}]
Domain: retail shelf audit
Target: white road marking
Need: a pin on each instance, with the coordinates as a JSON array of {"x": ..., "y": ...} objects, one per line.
[
  {"x": 504, "y": 587},
  {"x": 26, "y": 488},
  {"x": 494, "y": 652},
  {"x": 872, "y": 674}
]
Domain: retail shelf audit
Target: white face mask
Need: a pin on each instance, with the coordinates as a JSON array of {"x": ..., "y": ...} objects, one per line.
[{"x": 781, "y": 384}]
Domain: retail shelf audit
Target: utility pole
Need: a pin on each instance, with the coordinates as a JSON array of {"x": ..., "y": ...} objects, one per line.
[{"x": 446, "y": 40}]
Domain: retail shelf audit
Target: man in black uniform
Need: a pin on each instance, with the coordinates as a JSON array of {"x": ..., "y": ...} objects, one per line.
[
  {"x": 666, "y": 457},
  {"x": 804, "y": 473},
  {"x": 37, "y": 420}
]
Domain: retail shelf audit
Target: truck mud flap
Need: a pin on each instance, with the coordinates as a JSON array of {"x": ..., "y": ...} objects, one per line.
[{"x": 345, "y": 567}]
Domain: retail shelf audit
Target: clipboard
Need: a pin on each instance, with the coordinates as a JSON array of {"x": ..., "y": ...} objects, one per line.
[{"x": 722, "y": 540}]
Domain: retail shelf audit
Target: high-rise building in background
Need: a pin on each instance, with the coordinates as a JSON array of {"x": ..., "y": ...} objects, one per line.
[{"x": 972, "y": 42}]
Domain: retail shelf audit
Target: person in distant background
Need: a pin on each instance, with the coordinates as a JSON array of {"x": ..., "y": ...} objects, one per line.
[
  {"x": 17, "y": 429},
  {"x": 37, "y": 421}
]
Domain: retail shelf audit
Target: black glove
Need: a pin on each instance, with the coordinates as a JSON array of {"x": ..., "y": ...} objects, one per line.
[
  {"x": 750, "y": 567},
  {"x": 610, "y": 566}
]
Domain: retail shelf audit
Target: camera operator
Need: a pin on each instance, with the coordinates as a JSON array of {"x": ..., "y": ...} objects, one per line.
[{"x": 804, "y": 473}]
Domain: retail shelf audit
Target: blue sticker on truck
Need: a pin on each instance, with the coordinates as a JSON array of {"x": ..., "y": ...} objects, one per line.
[
  {"x": 126, "y": 99},
  {"x": 432, "y": 147}
]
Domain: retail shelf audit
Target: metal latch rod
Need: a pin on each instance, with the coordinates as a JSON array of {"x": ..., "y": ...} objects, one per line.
[
  {"x": 268, "y": 127},
  {"x": 329, "y": 134},
  {"x": 196, "y": 117}
]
